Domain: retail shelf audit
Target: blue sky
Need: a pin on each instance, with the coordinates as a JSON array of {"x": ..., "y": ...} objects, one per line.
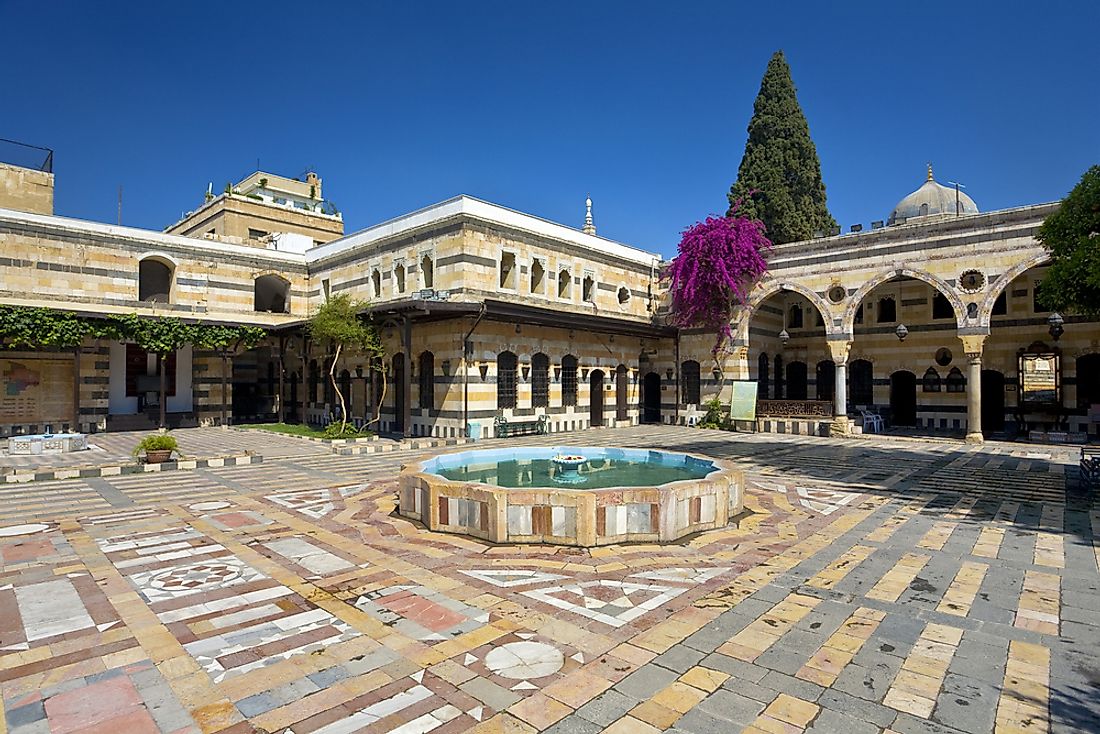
[{"x": 532, "y": 105}]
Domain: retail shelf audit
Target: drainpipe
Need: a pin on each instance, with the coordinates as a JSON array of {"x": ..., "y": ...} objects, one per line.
[{"x": 466, "y": 369}]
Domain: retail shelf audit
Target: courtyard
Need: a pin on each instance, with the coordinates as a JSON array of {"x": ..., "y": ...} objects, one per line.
[{"x": 871, "y": 585}]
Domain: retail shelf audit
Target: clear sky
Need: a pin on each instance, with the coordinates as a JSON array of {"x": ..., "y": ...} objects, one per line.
[{"x": 398, "y": 105}]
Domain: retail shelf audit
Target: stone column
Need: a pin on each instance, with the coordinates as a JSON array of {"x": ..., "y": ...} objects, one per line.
[
  {"x": 972, "y": 346},
  {"x": 838, "y": 348}
]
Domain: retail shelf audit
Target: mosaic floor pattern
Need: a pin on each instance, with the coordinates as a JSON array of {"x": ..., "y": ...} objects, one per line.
[{"x": 855, "y": 595}]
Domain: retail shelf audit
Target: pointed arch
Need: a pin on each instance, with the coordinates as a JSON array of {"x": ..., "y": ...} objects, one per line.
[
  {"x": 767, "y": 289},
  {"x": 985, "y": 313},
  {"x": 937, "y": 283}
]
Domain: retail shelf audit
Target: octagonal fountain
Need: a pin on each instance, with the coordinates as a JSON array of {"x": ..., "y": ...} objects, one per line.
[{"x": 584, "y": 496}]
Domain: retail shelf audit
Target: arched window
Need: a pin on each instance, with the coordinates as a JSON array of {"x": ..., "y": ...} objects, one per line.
[
  {"x": 955, "y": 380},
  {"x": 328, "y": 391},
  {"x": 565, "y": 284},
  {"x": 778, "y": 377},
  {"x": 588, "y": 289},
  {"x": 861, "y": 382},
  {"x": 376, "y": 283},
  {"x": 794, "y": 317},
  {"x": 538, "y": 276},
  {"x": 271, "y": 294},
  {"x": 506, "y": 380},
  {"x": 399, "y": 277},
  {"x": 624, "y": 296},
  {"x": 569, "y": 380},
  {"x": 689, "y": 378},
  {"x": 931, "y": 381},
  {"x": 941, "y": 307},
  {"x": 427, "y": 271},
  {"x": 796, "y": 381},
  {"x": 887, "y": 310},
  {"x": 426, "y": 368},
  {"x": 859, "y": 314},
  {"x": 621, "y": 388},
  {"x": 154, "y": 280},
  {"x": 270, "y": 378},
  {"x": 314, "y": 381},
  {"x": 763, "y": 380},
  {"x": 826, "y": 380},
  {"x": 540, "y": 381}
]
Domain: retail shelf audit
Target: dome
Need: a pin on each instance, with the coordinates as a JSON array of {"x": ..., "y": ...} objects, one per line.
[{"x": 930, "y": 199}]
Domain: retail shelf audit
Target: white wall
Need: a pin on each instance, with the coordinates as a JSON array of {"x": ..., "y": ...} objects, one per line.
[{"x": 120, "y": 404}]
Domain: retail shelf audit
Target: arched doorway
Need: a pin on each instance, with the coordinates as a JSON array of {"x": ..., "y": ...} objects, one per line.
[
  {"x": 861, "y": 383},
  {"x": 796, "y": 381},
  {"x": 399, "y": 393},
  {"x": 651, "y": 398},
  {"x": 1088, "y": 380},
  {"x": 595, "y": 398},
  {"x": 903, "y": 398},
  {"x": 621, "y": 394},
  {"x": 826, "y": 379},
  {"x": 993, "y": 401}
]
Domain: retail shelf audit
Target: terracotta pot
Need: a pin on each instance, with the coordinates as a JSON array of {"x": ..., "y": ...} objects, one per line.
[{"x": 158, "y": 457}]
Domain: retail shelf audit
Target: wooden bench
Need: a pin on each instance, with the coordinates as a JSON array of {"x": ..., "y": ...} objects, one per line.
[
  {"x": 502, "y": 427},
  {"x": 1090, "y": 466}
]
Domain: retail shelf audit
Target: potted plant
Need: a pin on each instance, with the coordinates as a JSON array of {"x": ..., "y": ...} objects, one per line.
[{"x": 158, "y": 448}]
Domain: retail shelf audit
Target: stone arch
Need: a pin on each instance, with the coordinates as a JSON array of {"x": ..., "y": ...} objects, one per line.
[
  {"x": 939, "y": 284},
  {"x": 766, "y": 290},
  {"x": 985, "y": 312}
]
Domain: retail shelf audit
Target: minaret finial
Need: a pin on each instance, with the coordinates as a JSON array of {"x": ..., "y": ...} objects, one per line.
[
  {"x": 930, "y": 171},
  {"x": 589, "y": 228}
]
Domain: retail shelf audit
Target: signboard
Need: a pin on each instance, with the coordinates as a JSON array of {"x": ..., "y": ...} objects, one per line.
[
  {"x": 36, "y": 390},
  {"x": 743, "y": 402}
]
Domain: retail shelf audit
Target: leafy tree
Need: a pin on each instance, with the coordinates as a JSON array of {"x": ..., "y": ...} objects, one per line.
[
  {"x": 339, "y": 323},
  {"x": 1072, "y": 234},
  {"x": 717, "y": 263},
  {"x": 779, "y": 181},
  {"x": 31, "y": 328}
]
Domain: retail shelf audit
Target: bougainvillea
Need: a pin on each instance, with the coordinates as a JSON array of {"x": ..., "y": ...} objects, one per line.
[{"x": 717, "y": 263}]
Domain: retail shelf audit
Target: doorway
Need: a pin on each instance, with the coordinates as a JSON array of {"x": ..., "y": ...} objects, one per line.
[
  {"x": 993, "y": 401},
  {"x": 903, "y": 398},
  {"x": 399, "y": 395},
  {"x": 651, "y": 398},
  {"x": 595, "y": 398},
  {"x": 621, "y": 394}
]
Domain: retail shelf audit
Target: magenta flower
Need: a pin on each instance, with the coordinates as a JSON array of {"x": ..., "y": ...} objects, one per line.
[{"x": 717, "y": 263}]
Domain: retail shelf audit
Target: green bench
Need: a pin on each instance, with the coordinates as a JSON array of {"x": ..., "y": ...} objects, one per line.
[{"x": 503, "y": 428}]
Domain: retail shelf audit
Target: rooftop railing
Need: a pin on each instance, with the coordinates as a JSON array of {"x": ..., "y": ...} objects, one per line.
[{"x": 26, "y": 156}]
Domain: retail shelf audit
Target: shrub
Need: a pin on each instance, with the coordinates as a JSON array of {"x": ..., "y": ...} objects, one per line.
[
  {"x": 339, "y": 429},
  {"x": 157, "y": 442}
]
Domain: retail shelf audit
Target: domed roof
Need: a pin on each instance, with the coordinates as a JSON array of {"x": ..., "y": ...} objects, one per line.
[{"x": 932, "y": 198}]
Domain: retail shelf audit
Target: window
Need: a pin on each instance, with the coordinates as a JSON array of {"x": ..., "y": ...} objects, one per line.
[
  {"x": 326, "y": 288},
  {"x": 624, "y": 296},
  {"x": 271, "y": 294},
  {"x": 887, "y": 310},
  {"x": 941, "y": 307},
  {"x": 778, "y": 364},
  {"x": 256, "y": 234},
  {"x": 796, "y": 381},
  {"x": 376, "y": 283},
  {"x": 1000, "y": 306},
  {"x": 427, "y": 271},
  {"x": 689, "y": 378},
  {"x": 540, "y": 381},
  {"x": 565, "y": 283},
  {"x": 861, "y": 382},
  {"x": 154, "y": 280},
  {"x": 345, "y": 390},
  {"x": 508, "y": 270},
  {"x": 1037, "y": 299},
  {"x": 426, "y": 368},
  {"x": 538, "y": 276},
  {"x": 931, "y": 381},
  {"x": 794, "y": 317},
  {"x": 588, "y": 289},
  {"x": 569, "y": 380},
  {"x": 506, "y": 380},
  {"x": 826, "y": 380},
  {"x": 314, "y": 380},
  {"x": 763, "y": 383},
  {"x": 955, "y": 380},
  {"x": 399, "y": 277},
  {"x": 859, "y": 314}
]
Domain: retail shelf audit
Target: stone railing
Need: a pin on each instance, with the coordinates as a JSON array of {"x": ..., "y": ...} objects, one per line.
[{"x": 794, "y": 408}]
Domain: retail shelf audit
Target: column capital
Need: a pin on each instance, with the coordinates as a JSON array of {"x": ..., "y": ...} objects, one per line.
[
  {"x": 838, "y": 349},
  {"x": 973, "y": 344}
]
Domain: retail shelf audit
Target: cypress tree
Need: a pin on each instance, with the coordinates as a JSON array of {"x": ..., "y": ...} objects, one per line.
[{"x": 779, "y": 181}]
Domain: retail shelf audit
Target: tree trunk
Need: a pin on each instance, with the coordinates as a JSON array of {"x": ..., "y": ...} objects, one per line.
[
  {"x": 381, "y": 399},
  {"x": 163, "y": 392},
  {"x": 76, "y": 391},
  {"x": 339, "y": 394}
]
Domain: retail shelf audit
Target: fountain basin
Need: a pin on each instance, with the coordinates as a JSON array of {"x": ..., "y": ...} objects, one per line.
[
  {"x": 47, "y": 443},
  {"x": 629, "y": 495}
]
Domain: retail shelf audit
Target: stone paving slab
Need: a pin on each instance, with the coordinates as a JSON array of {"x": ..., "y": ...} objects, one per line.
[{"x": 288, "y": 597}]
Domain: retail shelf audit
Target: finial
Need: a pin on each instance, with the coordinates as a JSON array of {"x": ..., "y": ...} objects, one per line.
[
  {"x": 589, "y": 228},
  {"x": 930, "y": 170}
]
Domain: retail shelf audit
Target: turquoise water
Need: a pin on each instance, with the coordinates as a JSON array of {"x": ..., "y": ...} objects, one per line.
[{"x": 524, "y": 468}]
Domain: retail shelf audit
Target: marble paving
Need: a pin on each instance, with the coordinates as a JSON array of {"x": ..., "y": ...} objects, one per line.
[{"x": 871, "y": 586}]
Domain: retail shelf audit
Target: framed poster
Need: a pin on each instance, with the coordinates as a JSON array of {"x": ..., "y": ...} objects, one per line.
[
  {"x": 1040, "y": 377},
  {"x": 743, "y": 402}
]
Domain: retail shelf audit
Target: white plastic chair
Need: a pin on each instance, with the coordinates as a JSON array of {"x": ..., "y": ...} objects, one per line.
[{"x": 872, "y": 422}]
